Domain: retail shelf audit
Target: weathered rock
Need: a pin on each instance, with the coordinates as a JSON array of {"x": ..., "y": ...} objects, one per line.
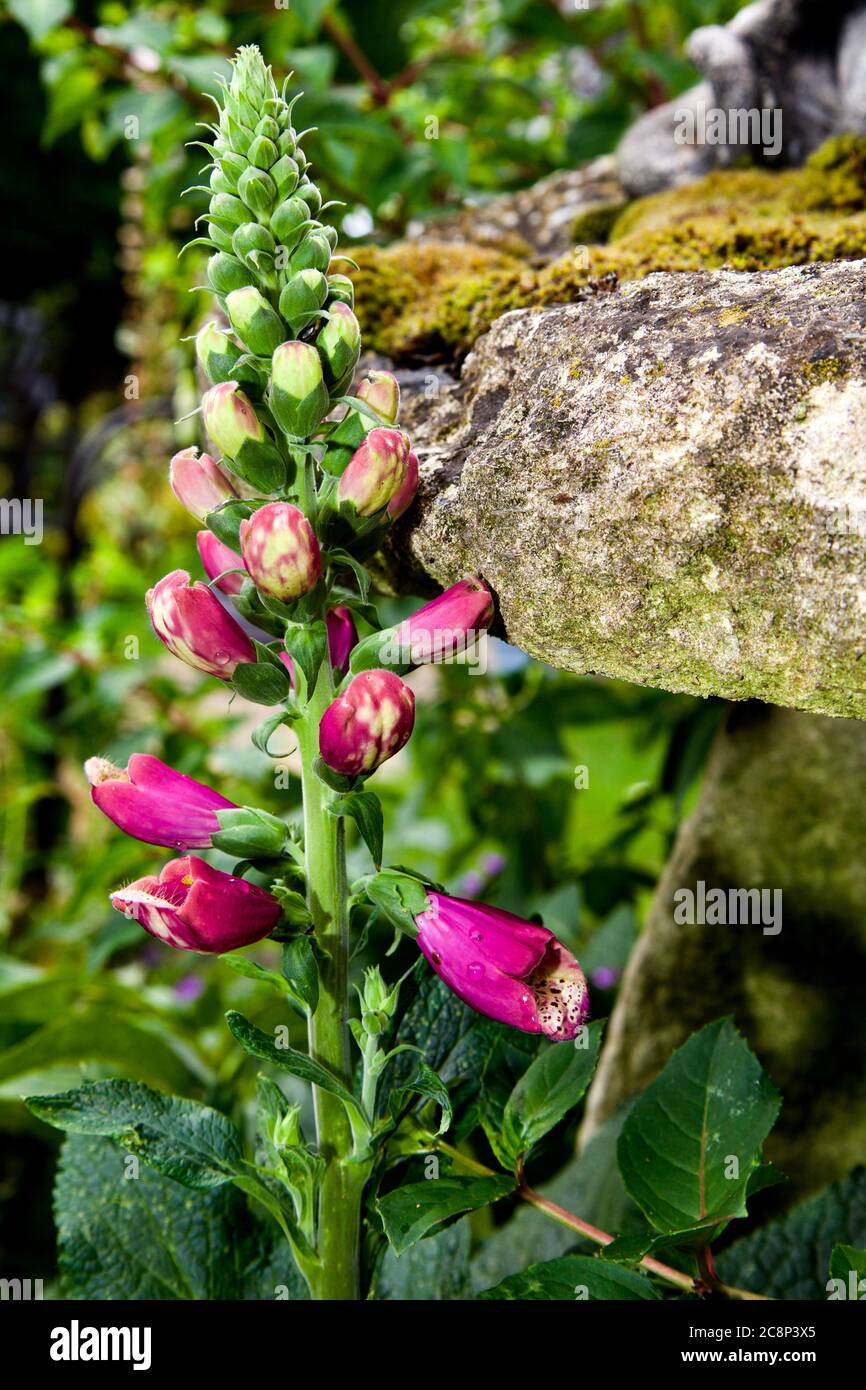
[
  {"x": 781, "y": 808},
  {"x": 545, "y": 219},
  {"x": 665, "y": 484},
  {"x": 803, "y": 58}
]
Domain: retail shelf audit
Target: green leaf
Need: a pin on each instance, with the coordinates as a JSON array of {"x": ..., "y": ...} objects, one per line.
[
  {"x": 573, "y": 1277},
  {"x": 293, "y": 903},
  {"x": 307, "y": 645},
  {"x": 845, "y": 1261},
  {"x": 183, "y": 1140},
  {"x": 692, "y": 1140},
  {"x": 262, "y": 1046},
  {"x": 39, "y": 16},
  {"x": 301, "y": 969},
  {"x": 225, "y": 522},
  {"x": 343, "y": 560},
  {"x": 251, "y": 970},
  {"x": 409, "y": 1212},
  {"x": 435, "y": 1269},
  {"x": 423, "y": 1082},
  {"x": 261, "y": 682},
  {"x": 400, "y": 896},
  {"x": 365, "y": 808},
  {"x": 264, "y": 732},
  {"x": 789, "y": 1257},
  {"x": 129, "y": 1236},
  {"x": 551, "y": 1086}
]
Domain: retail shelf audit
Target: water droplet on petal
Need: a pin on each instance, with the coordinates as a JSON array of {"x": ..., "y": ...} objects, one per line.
[{"x": 475, "y": 971}]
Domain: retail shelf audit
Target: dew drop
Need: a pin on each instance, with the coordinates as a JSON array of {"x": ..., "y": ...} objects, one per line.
[{"x": 475, "y": 971}]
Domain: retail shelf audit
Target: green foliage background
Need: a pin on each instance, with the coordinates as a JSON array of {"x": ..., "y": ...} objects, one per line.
[{"x": 93, "y": 307}]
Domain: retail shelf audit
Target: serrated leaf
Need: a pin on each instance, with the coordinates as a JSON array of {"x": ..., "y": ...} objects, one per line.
[
  {"x": 409, "y": 1212},
  {"x": 789, "y": 1257},
  {"x": 692, "y": 1140},
  {"x": 262, "y": 1046},
  {"x": 552, "y": 1085},
  {"x": 365, "y": 809},
  {"x": 423, "y": 1082},
  {"x": 191, "y": 1143},
  {"x": 574, "y": 1277},
  {"x": 129, "y": 1235}
]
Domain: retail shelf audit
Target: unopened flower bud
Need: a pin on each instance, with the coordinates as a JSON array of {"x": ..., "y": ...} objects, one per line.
[
  {"x": 381, "y": 392},
  {"x": 288, "y": 219},
  {"x": 302, "y": 297},
  {"x": 405, "y": 494},
  {"x": 280, "y": 551},
  {"x": 340, "y": 345},
  {"x": 217, "y": 353},
  {"x": 375, "y": 473},
  {"x": 257, "y": 189},
  {"x": 216, "y": 558},
  {"x": 313, "y": 252},
  {"x": 227, "y": 273},
  {"x": 255, "y": 321},
  {"x": 195, "y": 627},
  {"x": 199, "y": 484},
  {"x": 299, "y": 397},
  {"x": 234, "y": 427},
  {"x": 341, "y": 287},
  {"x": 368, "y": 723}
]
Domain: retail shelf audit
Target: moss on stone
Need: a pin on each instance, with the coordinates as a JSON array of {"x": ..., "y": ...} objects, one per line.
[{"x": 433, "y": 299}]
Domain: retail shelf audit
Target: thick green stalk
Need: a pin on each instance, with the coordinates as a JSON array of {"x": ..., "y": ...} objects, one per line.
[{"x": 327, "y": 896}]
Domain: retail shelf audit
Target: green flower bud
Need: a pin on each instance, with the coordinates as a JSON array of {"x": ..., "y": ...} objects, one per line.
[
  {"x": 220, "y": 182},
  {"x": 289, "y": 217},
  {"x": 256, "y": 247},
  {"x": 257, "y": 189},
  {"x": 232, "y": 165},
  {"x": 313, "y": 253},
  {"x": 303, "y": 295},
  {"x": 217, "y": 353},
  {"x": 311, "y": 196},
  {"x": 340, "y": 345},
  {"x": 263, "y": 152},
  {"x": 285, "y": 176},
  {"x": 220, "y": 239},
  {"x": 256, "y": 323},
  {"x": 227, "y": 273},
  {"x": 227, "y": 211},
  {"x": 330, "y": 235},
  {"x": 341, "y": 287},
  {"x": 234, "y": 427},
  {"x": 269, "y": 128},
  {"x": 299, "y": 397}
]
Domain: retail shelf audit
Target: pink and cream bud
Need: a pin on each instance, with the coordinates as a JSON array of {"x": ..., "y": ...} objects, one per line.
[
  {"x": 375, "y": 473},
  {"x": 199, "y": 483},
  {"x": 195, "y": 627},
  {"x": 280, "y": 551},
  {"x": 367, "y": 724}
]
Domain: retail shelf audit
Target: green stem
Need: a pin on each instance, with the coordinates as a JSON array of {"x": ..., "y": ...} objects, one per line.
[{"x": 327, "y": 896}]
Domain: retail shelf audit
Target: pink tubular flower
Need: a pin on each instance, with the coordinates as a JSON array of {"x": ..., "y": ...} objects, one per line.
[
  {"x": 152, "y": 802},
  {"x": 216, "y": 558},
  {"x": 194, "y": 907},
  {"x": 405, "y": 494},
  {"x": 503, "y": 967},
  {"x": 342, "y": 636},
  {"x": 193, "y": 624},
  {"x": 280, "y": 550},
  {"x": 367, "y": 724},
  {"x": 376, "y": 472},
  {"x": 448, "y": 624}
]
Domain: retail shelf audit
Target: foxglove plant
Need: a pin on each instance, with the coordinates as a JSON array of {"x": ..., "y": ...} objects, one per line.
[{"x": 308, "y": 481}]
